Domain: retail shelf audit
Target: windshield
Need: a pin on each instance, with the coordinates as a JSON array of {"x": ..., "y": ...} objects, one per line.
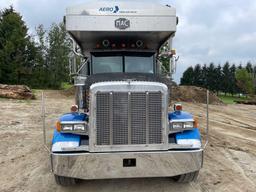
[
  {"x": 130, "y": 63},
  {"x": 139, "y": 64},
  {"x": 107, "y": 64}
]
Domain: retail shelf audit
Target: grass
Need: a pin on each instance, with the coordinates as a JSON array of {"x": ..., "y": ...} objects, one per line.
[
  {"x": 229, "y": 99},
  {"x": 66, "y": 85},
  {"x": 35, "y": 91}
]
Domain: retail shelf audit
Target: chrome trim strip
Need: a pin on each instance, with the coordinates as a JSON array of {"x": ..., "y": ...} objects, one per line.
[
  {"x": 111, "y": 118},
  {"x": 80, "y": 148},
  {"x": 129, "y": 119},
  {"x": 181, "y": 120},
  {"x": 86, "y": 148},
  {"x": 124, "y": 86},
  {"x": 176, "y": 146},
  {"x": 72, "y": 122},
  {"x": 147, "y": 117}
]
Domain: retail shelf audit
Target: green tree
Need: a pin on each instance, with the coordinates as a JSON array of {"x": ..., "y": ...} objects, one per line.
[
  {"x": 244, "y": 81},
  {"x": 198, "y": 77},
  {"x": 40, "y": 71},
  {"x": 204, "y": 76},
  {"x": 249, "y": 67},
  {"x": 233, "y": 84},
  {"x": 254, "y": 72},
  {"x": 211, "y": 77},
  {"x": 58, "y": 61},
  {"x": 219, "y": 79},
  {"x": 226, "y": 78},
  {"x": 188, "y": 77},
  {"x": 240, "y": 66},
  {"x": 15, "y": 45}
]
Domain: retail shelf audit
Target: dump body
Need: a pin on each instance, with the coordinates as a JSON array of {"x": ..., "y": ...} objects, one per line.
[
  {"x": 98, "y": 20},
  {"x": 126, "y": 129}
]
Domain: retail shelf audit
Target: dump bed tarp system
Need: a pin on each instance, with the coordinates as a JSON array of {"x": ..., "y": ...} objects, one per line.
[{"x": 121, "y": 20}]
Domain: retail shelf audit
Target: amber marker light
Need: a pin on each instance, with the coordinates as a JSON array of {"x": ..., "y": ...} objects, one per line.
[
  {"x": 58, "y": 126},
  {"x": 196, "y": 123},
  {"x": 98, "y": 46}
]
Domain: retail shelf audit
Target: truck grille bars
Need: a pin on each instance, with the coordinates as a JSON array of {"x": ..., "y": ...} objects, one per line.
[{"x": 128, "y": 118}]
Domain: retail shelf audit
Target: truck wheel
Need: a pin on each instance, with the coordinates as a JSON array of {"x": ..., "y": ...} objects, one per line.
[
  {"x": 65, "y": 181},
  {"x": 186, "y": 178}
]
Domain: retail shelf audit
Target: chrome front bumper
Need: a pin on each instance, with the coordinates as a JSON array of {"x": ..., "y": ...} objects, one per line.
[{"x": 126, "y": 164}]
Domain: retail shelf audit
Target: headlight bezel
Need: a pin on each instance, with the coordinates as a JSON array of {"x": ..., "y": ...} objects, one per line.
[
  {"x": 75, "y": 124},
  {"x": 181, "y": 125}
]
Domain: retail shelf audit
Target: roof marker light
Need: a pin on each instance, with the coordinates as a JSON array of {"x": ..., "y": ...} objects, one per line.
[
  {"x": 105, "y": 43},
  {"x": 178, "y": 107},
  {"x": 139, "y": 43}
]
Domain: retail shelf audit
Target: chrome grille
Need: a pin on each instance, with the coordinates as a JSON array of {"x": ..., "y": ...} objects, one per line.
[
  {"x": 128, "y": 118},
  {"x": 103, "y": 119}
]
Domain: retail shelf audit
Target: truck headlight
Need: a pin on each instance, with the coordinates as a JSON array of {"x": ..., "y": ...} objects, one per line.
[
  {"x": 180, "y": 126},
  {"x": 177, "y": 125},
  {"x": 188, "y": 125},
  {"x": 67, "y": 127},
  {"x": 75, "y": 127},
  {"x": 79, "y": 127}
]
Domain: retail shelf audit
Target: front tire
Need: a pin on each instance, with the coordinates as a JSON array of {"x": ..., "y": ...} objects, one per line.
[
  {"x": 65, "y": 181},
  {"x": 186, "y": 178}
]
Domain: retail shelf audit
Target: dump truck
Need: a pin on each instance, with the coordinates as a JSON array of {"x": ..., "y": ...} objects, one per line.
[{"x": 121, "y": 125}]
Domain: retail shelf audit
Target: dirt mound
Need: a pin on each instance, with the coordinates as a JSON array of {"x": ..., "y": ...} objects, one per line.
[
  {"x": 16, "y": 92},
  {"x": 193, "y": 94}
]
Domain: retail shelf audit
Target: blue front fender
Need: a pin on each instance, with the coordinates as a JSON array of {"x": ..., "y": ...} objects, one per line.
[
  {"x": 190, "y": 137},
  {"x": 61, "y": 140}
]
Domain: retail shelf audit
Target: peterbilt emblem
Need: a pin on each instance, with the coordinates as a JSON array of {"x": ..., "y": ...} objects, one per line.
[{"x": 122, "y": 23}]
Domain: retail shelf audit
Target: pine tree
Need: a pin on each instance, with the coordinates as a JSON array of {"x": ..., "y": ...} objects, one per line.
[
  {"x": 249, "y": 67},
  {"x": 14, "y": 43},
  {"x": 233, "y": 85},
  {"x": 188, "y": 77},
  {"x": 198, "y": 77},
  {"x": 204, "y": 76},
  {"x": 211, "y": 77},
  {"x": 219, "y": 79},
  {"x": 240, "y": 66},
  {"x": 226, "y": 78}
]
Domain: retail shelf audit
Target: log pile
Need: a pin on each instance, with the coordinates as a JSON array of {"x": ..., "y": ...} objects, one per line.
[
  {"x": 16, "y": 92},
  {"x": 246, "y": 102}
]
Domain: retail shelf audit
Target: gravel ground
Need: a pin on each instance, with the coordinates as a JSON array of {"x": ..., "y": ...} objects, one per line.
[{"x": 230, "y": 158}]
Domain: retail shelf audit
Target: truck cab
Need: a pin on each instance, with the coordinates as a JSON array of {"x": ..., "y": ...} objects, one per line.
[{"x": 122, "y": 125}]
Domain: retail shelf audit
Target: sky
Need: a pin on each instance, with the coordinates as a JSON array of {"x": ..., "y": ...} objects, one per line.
[{"x": 208, "y": 31}]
